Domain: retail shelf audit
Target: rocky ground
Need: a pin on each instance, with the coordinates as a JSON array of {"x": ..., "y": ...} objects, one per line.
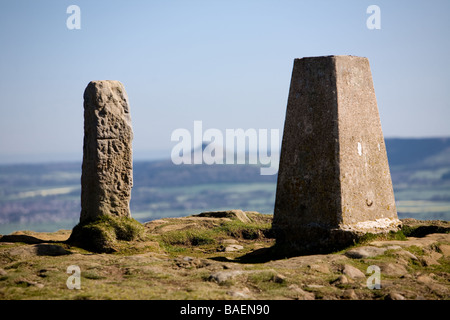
[{"x": 228, "y": 255}]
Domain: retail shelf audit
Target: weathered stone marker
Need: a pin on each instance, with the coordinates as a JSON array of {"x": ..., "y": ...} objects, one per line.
[
  {"x": 107, "y": 172},
  {"x": 334, "y": 182}
]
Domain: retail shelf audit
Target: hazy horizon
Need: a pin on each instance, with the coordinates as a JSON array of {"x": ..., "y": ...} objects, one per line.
[{"x": 139, "y": 155}]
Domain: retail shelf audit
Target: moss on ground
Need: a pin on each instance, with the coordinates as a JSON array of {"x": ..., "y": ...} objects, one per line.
[
  {"x": 249, "y": 231},
  {"x": 208, "y": 238},
  {"x": 369, "y": 237},
  {"x": 196, "y": 237},
  {"x": 104, "y": 234}
]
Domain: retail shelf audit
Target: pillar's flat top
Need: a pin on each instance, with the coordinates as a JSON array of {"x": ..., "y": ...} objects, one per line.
[{"x": 331, "y": 56}]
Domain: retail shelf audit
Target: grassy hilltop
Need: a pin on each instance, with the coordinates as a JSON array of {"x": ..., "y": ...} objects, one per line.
[{"x": 227, "y": 255}]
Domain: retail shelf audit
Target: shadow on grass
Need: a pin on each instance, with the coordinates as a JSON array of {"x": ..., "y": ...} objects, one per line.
[
  {"x": 422, "y": 231},
  {"x": 279, "y": 251},
  {"x": 23, "y": 238},
  {"x": 263, "y": 255}
]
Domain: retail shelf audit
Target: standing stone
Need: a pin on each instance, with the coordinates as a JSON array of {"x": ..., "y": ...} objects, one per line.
[
  {"x": 334, "y": 182},
  {"x": 107, "y": 172}
]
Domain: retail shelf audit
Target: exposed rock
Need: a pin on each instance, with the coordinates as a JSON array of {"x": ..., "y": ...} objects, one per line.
[
  {"x": 395, "y": 296},
  {"x": 229, "y": 241},
  {"x": 391, "y": 269},
  {"x": 365, "y": 252},
  {"x": 439, "y": 289},
  {"x": 315, "y": 286},
  {"x": 431, "y": 258},
  {"x": 305, "y": 261},
  {"x": 322, "y": 267},
  {"x": 431, "y": 284},
  {"x": 353, "y": 272},
  {"x": 402, "y": 261},
  {"x": 423, "y": 242},
  {"x": 233, "y": 247},
  {"x": 244, "y": 293},
  {"x": 342, "y": 279},
  {"x": 445, "y": 249},
  {"x": 349, "y": 294},
  {"x": 406, "y": 254},
  {"x": 190, "y": 262},
  {"x": 300, "y": 293},
  {"x": 222, "y": 276},
  {"x": 424, "y": 279}
]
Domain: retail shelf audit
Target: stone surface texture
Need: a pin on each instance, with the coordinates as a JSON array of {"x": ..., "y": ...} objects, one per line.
[
  {"x": 107, "y": 172},
  {"x": 334, "y": 181}
]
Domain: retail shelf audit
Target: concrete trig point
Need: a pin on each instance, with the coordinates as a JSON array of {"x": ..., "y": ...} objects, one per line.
[{"x": 334, "y": 183}]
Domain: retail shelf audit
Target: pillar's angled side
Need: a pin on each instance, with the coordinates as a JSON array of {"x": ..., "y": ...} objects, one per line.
[{"x": 367, "y": 196}]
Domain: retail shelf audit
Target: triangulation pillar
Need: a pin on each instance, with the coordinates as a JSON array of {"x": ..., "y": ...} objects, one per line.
[{"x": 334, "y": 183}]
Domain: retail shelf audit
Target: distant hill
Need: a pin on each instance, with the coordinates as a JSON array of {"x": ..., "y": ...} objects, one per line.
[
  {"x": 166, "y": 174},
  {"x": 416, "y": 151},
  {"x": 46, "y": 197}
]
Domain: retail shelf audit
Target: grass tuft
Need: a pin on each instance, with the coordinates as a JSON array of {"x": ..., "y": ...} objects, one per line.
[
  {"x": 248, "y": 231},
  {"x": 391, "y": 235},
  {"x": 196, "y": 237}
]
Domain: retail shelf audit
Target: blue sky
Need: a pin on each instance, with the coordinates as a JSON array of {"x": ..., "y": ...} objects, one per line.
[{"x": 227, "y": 63}]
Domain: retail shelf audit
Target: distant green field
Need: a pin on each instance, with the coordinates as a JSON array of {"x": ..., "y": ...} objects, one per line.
[
  {"x": 46, "y": 197},
  {"x": 149, "y": 203},
  {"x": 181, "y": 201}
]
